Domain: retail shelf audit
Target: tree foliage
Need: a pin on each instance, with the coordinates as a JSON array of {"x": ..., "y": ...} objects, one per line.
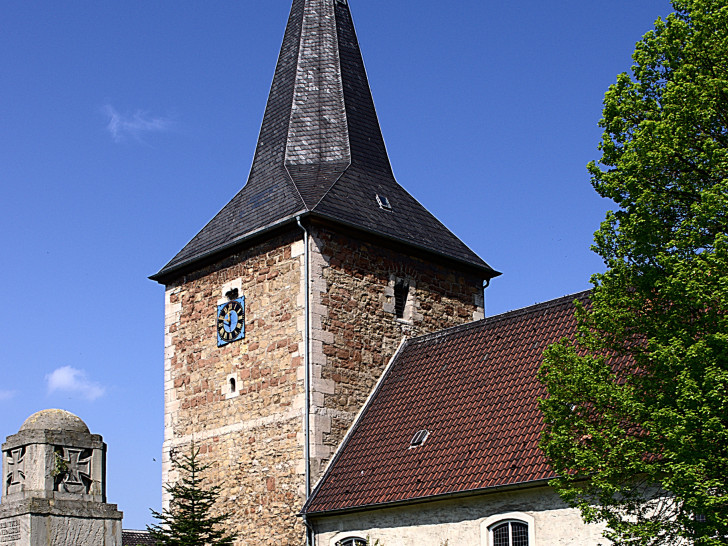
[
  {"x": 189, "y": 521},
  {"x": 637, "y": 407}
]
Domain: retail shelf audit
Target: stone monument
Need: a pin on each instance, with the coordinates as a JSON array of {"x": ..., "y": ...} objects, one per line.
[{"x": 54, "y": 485}]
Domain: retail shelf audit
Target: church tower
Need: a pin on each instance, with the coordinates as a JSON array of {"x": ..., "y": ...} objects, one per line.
[{"x": 283, "y": 311}]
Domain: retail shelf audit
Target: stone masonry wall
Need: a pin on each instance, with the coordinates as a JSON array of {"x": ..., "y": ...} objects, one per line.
[
  {"x": 354, "y": 329},
  {"x": 252, "y": 437}
]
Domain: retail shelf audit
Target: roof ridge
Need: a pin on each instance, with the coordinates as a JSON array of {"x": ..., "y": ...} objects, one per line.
[
  {"x": 346, "y": 123},
  {"x": 500, "y": 317},
  {"x": 331, "y": 187},
  {"x": 295, "y": 186}
]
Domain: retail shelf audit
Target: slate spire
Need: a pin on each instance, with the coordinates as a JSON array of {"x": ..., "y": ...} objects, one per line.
[{"x": 320, "y": 152}]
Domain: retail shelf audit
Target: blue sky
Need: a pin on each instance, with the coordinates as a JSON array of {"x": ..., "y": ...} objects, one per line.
[{"x": 125, "y": 126}]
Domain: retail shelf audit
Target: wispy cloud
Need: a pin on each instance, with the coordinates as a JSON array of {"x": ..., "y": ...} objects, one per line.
[
  {"x": 134, "y": 125},
  {"x": 6, "y": 395},
  {"x": 70, "y": 380}
]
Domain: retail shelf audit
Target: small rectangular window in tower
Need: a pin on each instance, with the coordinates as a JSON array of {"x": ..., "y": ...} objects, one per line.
[{"x": 401, "y": 291}]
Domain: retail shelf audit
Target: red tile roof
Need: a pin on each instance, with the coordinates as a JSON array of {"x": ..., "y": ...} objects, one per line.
[{"x": 474, "y": 388}]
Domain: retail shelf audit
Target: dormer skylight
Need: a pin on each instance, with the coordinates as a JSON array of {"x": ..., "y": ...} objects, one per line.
[
  {"x": 419, "y": 438},
  {"x": 384, "y": 202}
]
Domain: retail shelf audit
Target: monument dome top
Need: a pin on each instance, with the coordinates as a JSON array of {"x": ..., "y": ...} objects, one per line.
[{"x": 54, "y": 419}]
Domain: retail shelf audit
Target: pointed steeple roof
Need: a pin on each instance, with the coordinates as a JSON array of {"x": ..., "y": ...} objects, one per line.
[{"x": 320, "y": 152}]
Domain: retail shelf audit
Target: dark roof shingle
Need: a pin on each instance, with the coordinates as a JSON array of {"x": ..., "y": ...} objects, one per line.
[
  {"x": 474, "y": 388},
  {"x": 320, "y": 151},
  {"x": 137, "y": 538}
]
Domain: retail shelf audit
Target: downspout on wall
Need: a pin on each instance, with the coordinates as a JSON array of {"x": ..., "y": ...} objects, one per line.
[{"x": 306, "y": 374}]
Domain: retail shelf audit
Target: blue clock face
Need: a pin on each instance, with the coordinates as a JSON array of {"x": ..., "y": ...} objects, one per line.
[{"x": 230, "y": 321}]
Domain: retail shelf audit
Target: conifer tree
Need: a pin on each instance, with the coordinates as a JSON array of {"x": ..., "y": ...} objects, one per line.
[
  {"x": 189, "y": 521},
  {"x": 637, "y": 408}
]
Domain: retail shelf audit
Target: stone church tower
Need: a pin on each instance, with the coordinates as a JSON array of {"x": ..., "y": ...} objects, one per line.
[{"x": 283, "y": 311}]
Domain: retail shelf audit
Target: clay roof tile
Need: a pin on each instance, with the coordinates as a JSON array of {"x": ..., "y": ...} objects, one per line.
[{"x": 474, "y": 387}]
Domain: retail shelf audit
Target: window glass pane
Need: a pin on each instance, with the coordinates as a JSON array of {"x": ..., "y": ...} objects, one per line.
[
  {"x": 519, "y": 532},
  {"x": 354, "y": 541},
  {"x": 500, "y": 535}
]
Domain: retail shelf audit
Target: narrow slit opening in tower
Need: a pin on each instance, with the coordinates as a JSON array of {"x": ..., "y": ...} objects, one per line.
[{"x": 401, "y": 291}]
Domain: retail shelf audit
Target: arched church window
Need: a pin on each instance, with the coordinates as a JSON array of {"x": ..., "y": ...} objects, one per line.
[
  {"x": 509, "y": 533},
  {"x": 352, "y": 541},
  {"x": 231, "y": 387}
]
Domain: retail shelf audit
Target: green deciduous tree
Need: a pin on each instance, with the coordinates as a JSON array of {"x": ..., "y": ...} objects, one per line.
[
  {"x": 189, "y": 521},
  {"x": 641, "y": 438}
]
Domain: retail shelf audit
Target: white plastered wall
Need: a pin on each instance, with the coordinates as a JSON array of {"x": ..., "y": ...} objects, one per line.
[{"x": 464, "y": 521}]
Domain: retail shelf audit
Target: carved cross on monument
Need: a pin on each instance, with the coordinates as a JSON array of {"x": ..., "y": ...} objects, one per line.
[
  {"x": 75, "y": 470},
  {"x": 16, "y": 466},
  {"x": 53, "y": 485}
]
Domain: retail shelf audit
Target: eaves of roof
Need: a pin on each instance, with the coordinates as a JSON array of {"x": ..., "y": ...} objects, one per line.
[
  {"x": 167, "y": 274},
  {"x": 520, "y": 486}
]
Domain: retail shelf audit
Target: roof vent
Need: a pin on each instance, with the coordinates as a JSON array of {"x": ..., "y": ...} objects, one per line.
[
  {"x": 384, "y": 202},
  {"x": 419, "y": 438}
]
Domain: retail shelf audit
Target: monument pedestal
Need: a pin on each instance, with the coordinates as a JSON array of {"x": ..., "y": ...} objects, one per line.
[{"x": 54, "y": 491}]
